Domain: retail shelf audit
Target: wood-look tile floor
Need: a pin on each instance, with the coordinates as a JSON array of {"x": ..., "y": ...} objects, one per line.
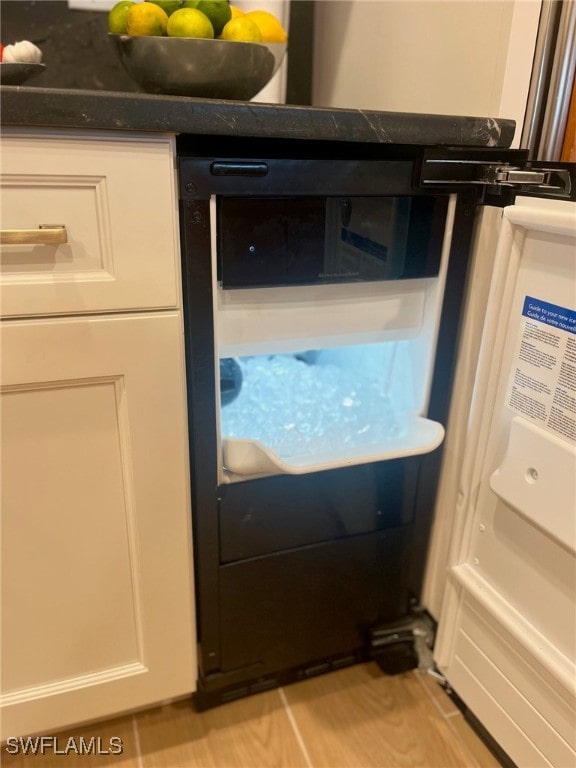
[{"x": 353, "y": 718}]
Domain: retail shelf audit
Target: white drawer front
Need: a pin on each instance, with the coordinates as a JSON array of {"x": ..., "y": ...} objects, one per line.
[{"x": 116, "y": 198}]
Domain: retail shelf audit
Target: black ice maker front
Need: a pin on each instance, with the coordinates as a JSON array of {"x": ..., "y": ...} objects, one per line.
[{"x": 322, "y": 302}]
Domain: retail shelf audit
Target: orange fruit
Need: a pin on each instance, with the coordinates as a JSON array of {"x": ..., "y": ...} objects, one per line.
[
  {"x": 270, "y": 28},
  {"x": 146, "y": 19},
  {"x": 236, "y": 11}
]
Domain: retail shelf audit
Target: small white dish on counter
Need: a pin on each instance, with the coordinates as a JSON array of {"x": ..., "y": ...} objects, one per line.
[{"x": 17, "y": 73}]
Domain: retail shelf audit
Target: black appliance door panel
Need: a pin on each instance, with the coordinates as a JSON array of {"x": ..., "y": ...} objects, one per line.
[
  {"x": 278, "y": 513},
  {"x": 273, "y": 241},
  {"x": 288, "y": 609}
]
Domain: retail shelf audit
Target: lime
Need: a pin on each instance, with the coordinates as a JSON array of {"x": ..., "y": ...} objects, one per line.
[
  {"x": 270, "y": 28},
  {"x": 189, "y": 22},
  {"x": 146, "y": 19},
  {"x": 117, "y": 18},
  {"x": 242, "y": 29},
  {"x": 169, "y": 6},
  {"x": 218, "y": 11}
]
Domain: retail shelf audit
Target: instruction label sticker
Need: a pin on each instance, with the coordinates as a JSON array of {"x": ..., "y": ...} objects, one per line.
[{"x": 543, "y": 381}]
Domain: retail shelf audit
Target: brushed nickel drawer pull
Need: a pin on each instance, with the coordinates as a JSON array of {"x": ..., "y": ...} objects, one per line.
[{"x": 46, "y": 234}]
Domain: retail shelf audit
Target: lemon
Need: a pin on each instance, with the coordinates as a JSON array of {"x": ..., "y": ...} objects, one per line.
[
  {"x": 146, "y": 19},
  {"x": 236, "y": 11},
  {"x": 189, "y": 22},
  {"x": 218, "y": 11},
  {"x": 167, "y": 5},
  {"x": 242, "y": 29},
  {"x": 270, "y": 28},
  {"x": 117, "y": 18}
]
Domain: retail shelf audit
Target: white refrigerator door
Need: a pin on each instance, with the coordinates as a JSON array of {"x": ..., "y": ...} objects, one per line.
[{"x": 507, "y": 629}]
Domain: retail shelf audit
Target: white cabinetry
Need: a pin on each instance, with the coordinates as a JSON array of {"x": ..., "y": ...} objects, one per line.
[{"x": 97, "y": 584}]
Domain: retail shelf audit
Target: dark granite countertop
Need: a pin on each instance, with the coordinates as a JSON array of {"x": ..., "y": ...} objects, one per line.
[{"x": 111, "y": 110}]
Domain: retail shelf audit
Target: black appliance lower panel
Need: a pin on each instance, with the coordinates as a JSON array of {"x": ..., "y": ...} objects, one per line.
[
  {"x": 285, "y": 609},
  {"x": 272, "y": 514}
]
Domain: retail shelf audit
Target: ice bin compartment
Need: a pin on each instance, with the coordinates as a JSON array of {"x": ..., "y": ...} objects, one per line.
[
  {"x": 321, "y": 409},
  {"x": 330, "y": 309}
]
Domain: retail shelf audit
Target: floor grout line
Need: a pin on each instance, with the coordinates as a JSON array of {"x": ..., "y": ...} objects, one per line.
[
  {"x": 465, "y": 747},
  {"x": 136, "y": 733},
  {"x": 448, "y": 716},
  {"x": 295, "y": 728},
  {"x": 433, "y": 698}
]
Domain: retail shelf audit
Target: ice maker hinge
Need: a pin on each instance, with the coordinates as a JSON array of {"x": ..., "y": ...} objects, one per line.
[
  {"x": 444, "y": 172},
  {"x": 543, "y": 178}
]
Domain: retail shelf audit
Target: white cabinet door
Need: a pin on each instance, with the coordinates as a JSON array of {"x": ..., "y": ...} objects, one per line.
[
  {"x": 97, "y": 583},
  {"x": 115, "y": 197},
  {"x": 508, "y": 624}
]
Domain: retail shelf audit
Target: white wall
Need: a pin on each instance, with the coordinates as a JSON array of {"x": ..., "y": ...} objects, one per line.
[
  {"x": 275, "y": 91},
  {"x": 461, "y": 57}
]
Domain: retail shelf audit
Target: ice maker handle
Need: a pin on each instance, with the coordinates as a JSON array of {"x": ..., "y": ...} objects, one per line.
[{"x": 219, "y": 168}]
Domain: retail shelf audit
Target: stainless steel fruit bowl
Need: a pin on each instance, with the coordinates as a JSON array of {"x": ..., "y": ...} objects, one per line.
[{"x": 185, "y": 66}]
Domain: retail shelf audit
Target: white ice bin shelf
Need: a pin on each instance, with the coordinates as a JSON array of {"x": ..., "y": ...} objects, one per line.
[{"x": 251, "y": 457}]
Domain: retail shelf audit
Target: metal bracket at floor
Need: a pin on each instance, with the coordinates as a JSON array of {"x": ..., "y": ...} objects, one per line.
[{"x": 406, "y": 644}]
